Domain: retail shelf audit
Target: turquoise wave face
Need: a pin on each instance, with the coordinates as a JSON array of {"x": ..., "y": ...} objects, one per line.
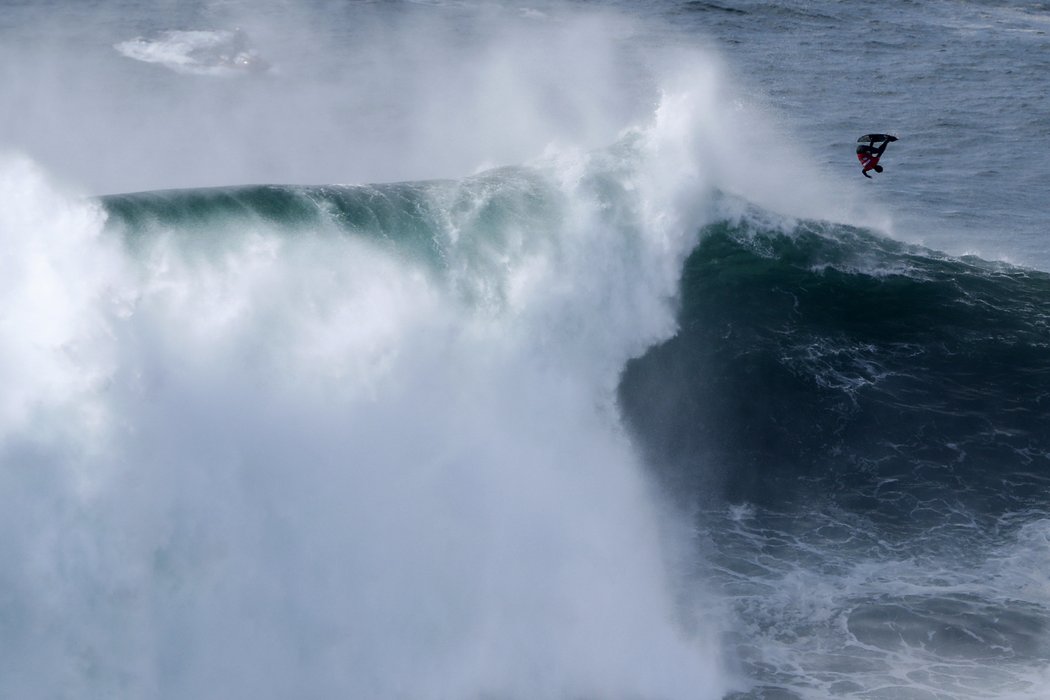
[
  {"x": 464, "y": 232},
  {"x": 826, "y": 359},
  {"x": 401, "y": 210}
]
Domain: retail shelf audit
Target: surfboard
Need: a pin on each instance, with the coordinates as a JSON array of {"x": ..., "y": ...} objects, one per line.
[{"x": 872, "y": 138}]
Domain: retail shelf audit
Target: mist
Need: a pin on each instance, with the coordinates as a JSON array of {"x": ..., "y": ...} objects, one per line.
[{"x": 340, "y": 93}]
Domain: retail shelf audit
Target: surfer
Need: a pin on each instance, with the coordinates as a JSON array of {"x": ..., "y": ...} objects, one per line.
[{"x": 868, "y": 153}]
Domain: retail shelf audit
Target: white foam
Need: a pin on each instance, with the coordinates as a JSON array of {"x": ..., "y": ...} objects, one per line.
[
  {"x": 198, "y": 52},
  {"x": 322, "y": 474},
  {"x": 56, "y": 273},
  {"x": 822, "y": 619}
]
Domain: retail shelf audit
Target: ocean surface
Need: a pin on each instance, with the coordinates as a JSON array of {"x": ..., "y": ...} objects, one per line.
[{"x": 545, "y": 350}]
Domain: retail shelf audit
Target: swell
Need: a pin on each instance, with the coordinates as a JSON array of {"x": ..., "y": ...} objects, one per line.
[
  {"x": 825, "y": 359},
  {"x": 813, "y": 357},
  {"x": 810, "y": 358}
]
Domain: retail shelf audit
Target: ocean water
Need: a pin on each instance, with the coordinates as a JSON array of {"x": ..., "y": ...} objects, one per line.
[{"x": 524, "y": 350}]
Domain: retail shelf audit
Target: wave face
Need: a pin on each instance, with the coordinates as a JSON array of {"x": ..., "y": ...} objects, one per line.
[
  {"x": 865, "y": 366},
  {"x": 859, "y": 427}
]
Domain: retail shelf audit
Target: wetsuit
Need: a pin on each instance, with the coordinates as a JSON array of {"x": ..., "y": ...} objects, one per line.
[{"x": 869, "y": 155}]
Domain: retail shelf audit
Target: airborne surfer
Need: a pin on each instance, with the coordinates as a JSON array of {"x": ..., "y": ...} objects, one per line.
[{"x": 868, "y": 153}]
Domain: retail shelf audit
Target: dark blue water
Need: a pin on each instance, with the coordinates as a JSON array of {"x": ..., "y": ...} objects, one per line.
[{"x": 875, "y": 415}]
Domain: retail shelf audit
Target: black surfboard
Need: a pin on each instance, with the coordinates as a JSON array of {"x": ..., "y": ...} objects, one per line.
[{"x": 872, "y": 138}]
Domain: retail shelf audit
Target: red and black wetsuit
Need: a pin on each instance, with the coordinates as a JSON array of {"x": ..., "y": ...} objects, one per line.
[
  {"x": 868, "y": 159},
  {"x": 869, "y": 155}
]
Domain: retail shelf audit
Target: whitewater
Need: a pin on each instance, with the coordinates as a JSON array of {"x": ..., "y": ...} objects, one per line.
[{"x": 469, "y": 350}]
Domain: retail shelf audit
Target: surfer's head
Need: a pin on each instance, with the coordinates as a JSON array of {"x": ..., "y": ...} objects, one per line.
[{"x": 878, "y": 168}]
